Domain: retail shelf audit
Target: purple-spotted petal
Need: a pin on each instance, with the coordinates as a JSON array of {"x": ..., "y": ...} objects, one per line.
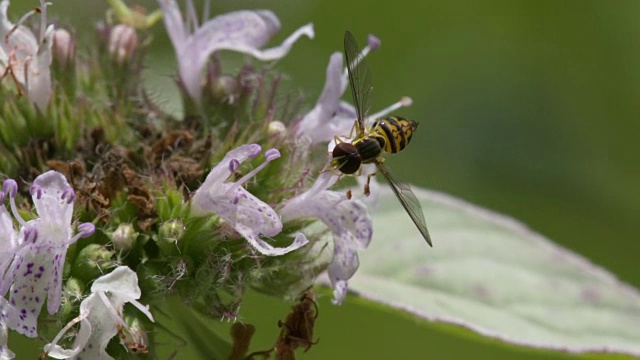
[
  {"x": 248, "y": 215},
  {"x": 35, "y": 271},
  {"x": 348, "y": 220}
]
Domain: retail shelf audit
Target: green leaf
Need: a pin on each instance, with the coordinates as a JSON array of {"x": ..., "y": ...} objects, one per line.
[
  {"x": 190, "y": 334},
  {"x": 491, "y": 274}
]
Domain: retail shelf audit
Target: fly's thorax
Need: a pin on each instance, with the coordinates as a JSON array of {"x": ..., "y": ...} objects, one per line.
[
  {"x": 369, "y": 147},
  {"x": 396, "y": 131},
  {"x": 346, "y": 158}
]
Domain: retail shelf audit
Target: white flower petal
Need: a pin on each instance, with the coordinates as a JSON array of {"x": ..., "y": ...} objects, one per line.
[
  {"x": 8, "y": 239},
  {"x": 121, "y": 281},
  {"x": 102, "y": 311},
  {"x": 8, "y": 318}
]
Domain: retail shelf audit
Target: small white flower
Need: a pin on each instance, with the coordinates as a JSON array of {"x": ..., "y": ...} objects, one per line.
[
  {"x": 27, "y": 57},
  {"x": 101, "y": 316},
  {"x": 38, "y": 260},
  {"x": 8, "y": 318},
  {"x": 242, "y": 31},
  {"x": 247, "y": 214},
  {"x": 348, "y": 220}
]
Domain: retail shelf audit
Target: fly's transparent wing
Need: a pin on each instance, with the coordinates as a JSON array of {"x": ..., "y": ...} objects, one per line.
[
  {"x": 359, "y": 78},
  {"x": 408, "y": 200}
]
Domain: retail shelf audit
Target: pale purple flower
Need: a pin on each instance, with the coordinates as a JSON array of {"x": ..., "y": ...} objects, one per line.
[
  {"x": 242, "y": 31},
  {"x": 27, "y": 57},
  {"x": 37, "y": 264},
  {"x": 348, "y": 220},
  {"x": 331, "y": 116},
  {"x": 101, "y": 316},
  {"x": 247, "y": 214}
]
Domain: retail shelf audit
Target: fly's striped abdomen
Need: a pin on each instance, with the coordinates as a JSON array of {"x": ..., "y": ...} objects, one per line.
[{"x": 396, "y": 131}]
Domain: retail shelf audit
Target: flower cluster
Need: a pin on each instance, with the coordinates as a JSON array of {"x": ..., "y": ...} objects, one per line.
[
  {"x": 27, "y": 57},
  {"x": 33, "y": 256},
  {"x": 189, "y": 208}
]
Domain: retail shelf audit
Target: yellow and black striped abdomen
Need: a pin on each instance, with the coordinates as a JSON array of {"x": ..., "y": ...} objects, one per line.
[{"x": 396, "y": 131}]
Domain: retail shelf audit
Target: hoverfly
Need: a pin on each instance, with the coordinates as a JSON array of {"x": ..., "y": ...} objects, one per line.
[{"x": 391, "y": 135}]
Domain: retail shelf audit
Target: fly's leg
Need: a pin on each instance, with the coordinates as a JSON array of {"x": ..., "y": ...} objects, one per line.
[{"x": 367, "y": 191}]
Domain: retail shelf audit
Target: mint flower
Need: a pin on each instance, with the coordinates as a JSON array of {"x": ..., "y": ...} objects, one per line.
[
  {"x": 101, "y": 316},
  {"x": 348, "y": 220},
  {"x": 8, "y": 318},
  {"x": 247, "y": 214},
  {"x": 27, "y": 57},
  {"x": 331, "y": 116},
  {"x": 36, "y": 267},
  {"x": 8, "y": 245},
  {"x": 242, "y": 31}
]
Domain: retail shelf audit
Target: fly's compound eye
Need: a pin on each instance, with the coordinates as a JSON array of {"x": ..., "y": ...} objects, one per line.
[{"x": 347, "y": 157}]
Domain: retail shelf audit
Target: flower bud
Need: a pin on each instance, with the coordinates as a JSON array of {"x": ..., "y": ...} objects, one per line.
[
  {"x": 123, "y": 42},
  {"x": 276, "y": 128},
  {"x": 91, "y": 262},
  {"x": 224, "y": 88},
  {"x": 124, "y": 237},
  {"x": 169, "y": 234},
  {"x": 64, "y": 47}
]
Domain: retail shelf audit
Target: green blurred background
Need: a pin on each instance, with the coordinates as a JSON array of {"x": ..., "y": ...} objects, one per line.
[{"x": 530, "y": 108}]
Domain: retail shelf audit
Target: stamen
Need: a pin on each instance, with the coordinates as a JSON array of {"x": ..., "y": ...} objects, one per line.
[
  {"x": 255, "y": 150},
  {"x": 10, "y": 187},
  {"x": 403, "y": 102},
  {"x": 84, "y": 230},
  {"x": 30, "y": 235},
  {"x": 234, "y": 164},
  {"x": 206, "y": 11},
  {"x": 373, "y": 43},
  {"x": 36, "y": 191},
  {"x": 191, "y": 17},
  {"x": 269, "y": 155},
  {"x": 43, "y": 18},
  {"x": 64, "y": 330},
  {"x": 114, "y": 313},
  {"x": 68, "y": 195}
]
